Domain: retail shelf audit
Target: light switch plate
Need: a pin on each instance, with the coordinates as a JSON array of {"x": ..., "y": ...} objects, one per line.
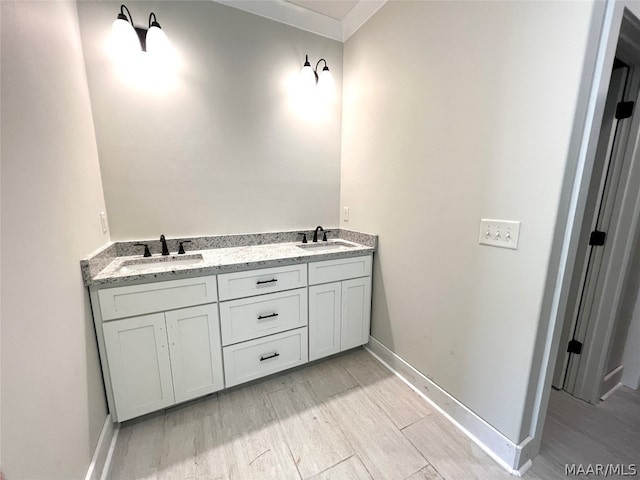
[
  {"x": 499, "y": 233},
  {"x": 345, "y": 214},
  {"x": 103, "y": 222}
]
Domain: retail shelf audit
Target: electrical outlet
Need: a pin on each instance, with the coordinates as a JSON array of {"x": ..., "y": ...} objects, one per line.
[
  {"x": 103, "y": 221},
  {"x": 345, "y": 214},
  {"x": 499, "y": 233}
]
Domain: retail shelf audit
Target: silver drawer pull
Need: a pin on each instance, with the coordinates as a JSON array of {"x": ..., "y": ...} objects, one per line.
[
  {"x": 262, "y": 317},
  {"x": 262, "y": 282},
  {"x": 273, "y": 355}
]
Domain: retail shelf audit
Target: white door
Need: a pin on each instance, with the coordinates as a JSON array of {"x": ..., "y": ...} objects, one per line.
[
  {"x": 601, "y": 189},
  {"x": 324, "y": 319},
  {"x": 139, "y": 365},
  {"x": 612, "y": 201},
  {"x": 356, "y": 312},
  {"x": 196, "y": 352}
]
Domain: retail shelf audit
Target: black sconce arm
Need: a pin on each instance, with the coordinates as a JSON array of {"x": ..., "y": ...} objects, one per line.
[
  {"x": 153, "y": 23},
  {"x": 122, "y": 16},
  {"x": 318, "y": 64}
]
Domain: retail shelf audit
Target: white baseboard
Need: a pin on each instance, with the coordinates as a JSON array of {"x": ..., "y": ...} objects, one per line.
[
  {"x": 495, "y": 444},
  {"x": 522, "y": 470},
  {"x": 611, "y": 391},
  {"x": 611, "y": 382},
  {"x": 100, "y": 463}
]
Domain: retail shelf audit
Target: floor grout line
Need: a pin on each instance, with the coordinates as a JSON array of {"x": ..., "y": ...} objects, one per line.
[
  {"x": 416, "y": 421},
  {"x": 284, "y": 436},
  {"x": 332, "y": 466},
  {"x": 327, "y": 410},
  {"x": 365, "y": 467},
  {"x": 416, "y": 448}
]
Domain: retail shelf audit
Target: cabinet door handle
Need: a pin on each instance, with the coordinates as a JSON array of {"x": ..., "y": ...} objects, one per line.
[
  {"x": 273, "y": 355},
  {"x": 262, "y": 317},
  {"x": 261, "y": 282}
]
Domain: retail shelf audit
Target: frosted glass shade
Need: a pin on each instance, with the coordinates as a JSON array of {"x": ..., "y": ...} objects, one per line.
[
  {"x": 124, "y": 38},
  {"x": 326, "y": 85},
  {"x": 157, "y": 42},
  {"x": 307, "y": 79}
]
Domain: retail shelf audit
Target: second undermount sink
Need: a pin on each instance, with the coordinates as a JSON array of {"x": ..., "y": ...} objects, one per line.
[
  {"x": 161, "y": 263},
  {"x": 328, "y": 245}
]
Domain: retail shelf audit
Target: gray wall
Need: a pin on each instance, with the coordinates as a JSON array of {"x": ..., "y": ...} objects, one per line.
[
  {"x": 53, "y": 405},
  {"x": 225, "y": 148},
  {"x": 456, "y": 111}
]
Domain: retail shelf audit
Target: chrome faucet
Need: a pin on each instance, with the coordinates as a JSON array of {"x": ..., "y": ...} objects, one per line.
[
  {"x": 315, "y": 233},
  {"x": 165, "y": 250}
]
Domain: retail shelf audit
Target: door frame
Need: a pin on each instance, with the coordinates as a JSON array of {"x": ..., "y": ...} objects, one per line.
[
  {"x": 590, "y": 372},
  {"x": 605, "y": 31},
  {"x": 582, "y": 285},
  {"x": 602, "y": 295}
]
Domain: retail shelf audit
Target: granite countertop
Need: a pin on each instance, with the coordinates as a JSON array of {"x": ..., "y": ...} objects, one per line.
[{"x": 108, "y": 267}]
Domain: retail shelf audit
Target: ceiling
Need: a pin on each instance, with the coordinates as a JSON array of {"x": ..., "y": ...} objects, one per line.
[
  {"x": 336, "y": 9},
  {"x": 336, "y": 19}
]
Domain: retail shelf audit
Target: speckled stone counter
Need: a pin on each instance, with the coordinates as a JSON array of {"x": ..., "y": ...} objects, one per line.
[{"x": 213, "y": 255}]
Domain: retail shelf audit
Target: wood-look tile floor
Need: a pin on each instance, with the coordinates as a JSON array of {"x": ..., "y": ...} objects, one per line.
[
  {"x": 576, "y": 432},
  {"x": 347, "y": 417}
]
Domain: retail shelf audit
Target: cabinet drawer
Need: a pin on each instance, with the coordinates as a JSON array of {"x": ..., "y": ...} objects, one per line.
[
  {"x": 264, "y": 356},
  {"x": 254, "y": 317},
  {"x": 341, "y": 269},
  {"x": 119, "y": 302},
  {"x": 256, "y": 282}
]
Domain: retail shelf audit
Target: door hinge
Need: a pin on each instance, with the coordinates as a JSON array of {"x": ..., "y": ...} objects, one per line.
[
  {"x": 574, "y": 347},
  {"x": 597, "y": 238},
  {"x": 624, "y": 110}
]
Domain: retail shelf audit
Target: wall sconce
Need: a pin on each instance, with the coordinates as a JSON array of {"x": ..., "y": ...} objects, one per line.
[
  {"x": 310, "y": 78},
  {"x": 129, "y": 38}
]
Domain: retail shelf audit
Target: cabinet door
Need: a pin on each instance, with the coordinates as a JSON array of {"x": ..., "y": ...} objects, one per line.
[
  {"x": 196, "y": 352},
  {"x": 356, "y": 312},
  {"x": 324, "y": 320},
  {"x": 139, "y": 365}
]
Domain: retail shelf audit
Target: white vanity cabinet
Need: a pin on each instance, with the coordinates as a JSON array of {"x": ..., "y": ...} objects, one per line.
[
  {"x": 339, "y": 305},
  {"x": 264, "y": 321},
  {"x": 167, "y": 342},
  {"x": 152, "y": 361}
]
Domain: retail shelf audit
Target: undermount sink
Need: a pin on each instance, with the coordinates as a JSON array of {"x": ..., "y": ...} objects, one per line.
[
  {"x": 160, "y": 263},
  {"x": 328, "y": 245}
]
